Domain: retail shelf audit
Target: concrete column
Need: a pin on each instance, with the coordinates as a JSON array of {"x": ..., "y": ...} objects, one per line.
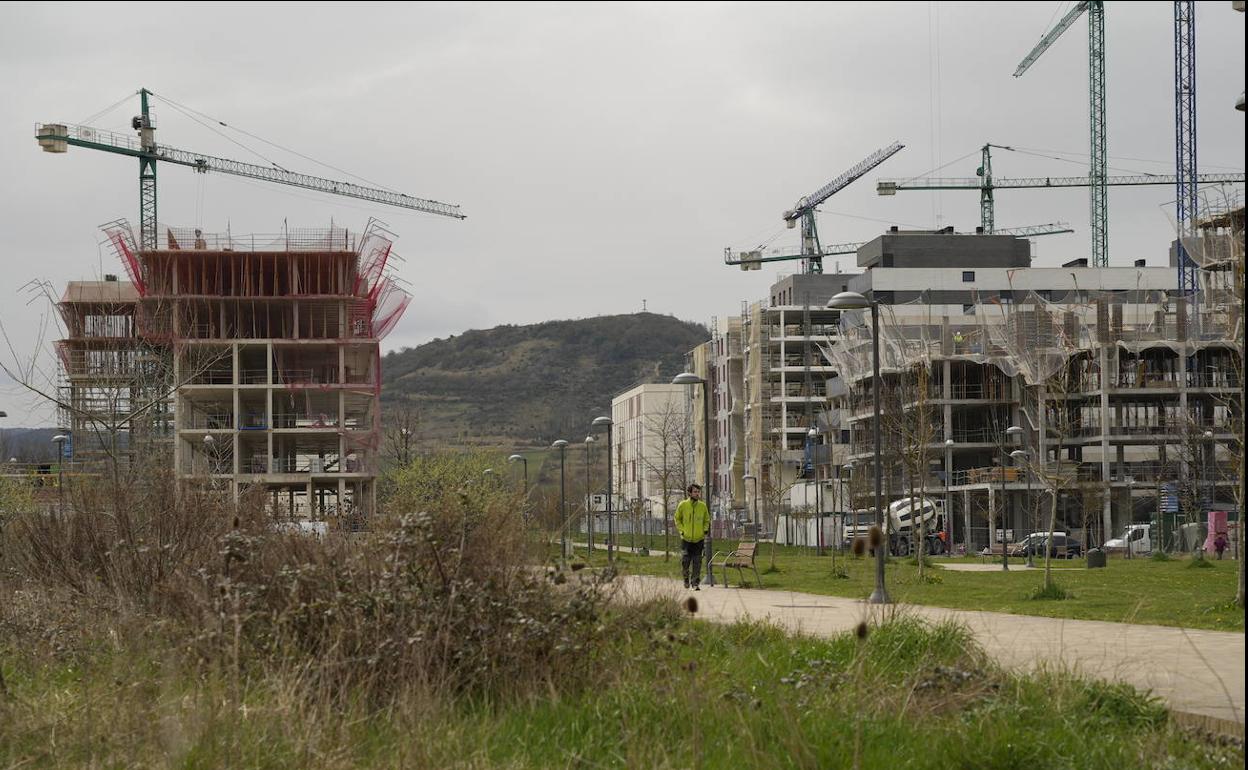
[{"x": 966, "y": 518}]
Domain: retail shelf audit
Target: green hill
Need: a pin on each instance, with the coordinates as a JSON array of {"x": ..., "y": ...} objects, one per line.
[{"x": 532, "y": 384}]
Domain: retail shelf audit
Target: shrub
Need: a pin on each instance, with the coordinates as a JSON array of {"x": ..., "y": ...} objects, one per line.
[{"x": 1051, "y": 591}]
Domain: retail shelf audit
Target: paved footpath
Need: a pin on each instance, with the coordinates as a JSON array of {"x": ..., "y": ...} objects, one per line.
[{"x": 1198, "y": 672}]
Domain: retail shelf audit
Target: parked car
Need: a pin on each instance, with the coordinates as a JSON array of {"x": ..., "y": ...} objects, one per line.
[{"x": 1060, "y": 544}]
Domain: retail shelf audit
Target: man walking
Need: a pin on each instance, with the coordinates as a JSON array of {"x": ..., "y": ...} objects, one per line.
[{"x": 693, "y": 520}]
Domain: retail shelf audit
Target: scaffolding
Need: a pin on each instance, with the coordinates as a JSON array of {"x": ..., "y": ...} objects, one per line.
[{"x": 1107, "y": 386}]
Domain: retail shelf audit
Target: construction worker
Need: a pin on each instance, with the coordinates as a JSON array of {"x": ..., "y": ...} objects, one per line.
[{"x": 693, "y": 521}]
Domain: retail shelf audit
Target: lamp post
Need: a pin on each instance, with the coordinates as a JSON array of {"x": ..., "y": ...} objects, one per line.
[
  {"x": 1010, "y": 433},
  {"x": 601, "y": 422},
  {"x": 60, "y": 439},
  {"x": 852, "y": 300},
  {"x": 1020, "y": 455},
  {"x": 524, "y": 512},
  {"x": 562, "y": 446},
  {"x": 948, "y": 496},
  {"x": 813, "y": 434},
  {"x": 688, "y": 378},
  {"x": 589, "y": 514},
  {"x": 1210, "y": 492},
  {"x": 754, "y": 480}
]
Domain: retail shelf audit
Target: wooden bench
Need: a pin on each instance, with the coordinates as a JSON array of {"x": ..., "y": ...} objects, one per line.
[
  {"x": 997, "y": 550},
  {"x": 741, "y": 558}
]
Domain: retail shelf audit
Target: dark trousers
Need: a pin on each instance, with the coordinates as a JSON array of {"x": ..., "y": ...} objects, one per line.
[{"x": 691, "y": 561}]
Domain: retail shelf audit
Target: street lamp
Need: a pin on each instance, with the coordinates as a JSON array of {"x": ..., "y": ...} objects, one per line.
[
  {"x": 589, "y": 514},
  {"x": 562, "y": 446},
  {"x": 601, "y": 422},
  {"x": 60, "y": 439},
  {"x": 754, "y": 479},
  {"x": 852, "y": 300},
  {"x": 948, "y": 496},
  {"x": 1210, "y": 492},
  {"x": 1020, "y": 455},
  {"x": 813, "y": 435},
  {"x": 688, "y": 378},
  {"x": 1010, "y": 432}
]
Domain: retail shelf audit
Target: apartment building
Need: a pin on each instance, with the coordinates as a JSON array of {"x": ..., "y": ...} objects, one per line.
[{"x": 651, "y": 447}]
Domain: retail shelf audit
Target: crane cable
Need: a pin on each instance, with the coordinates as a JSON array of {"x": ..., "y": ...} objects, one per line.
[
  {"x": 222, "y": 123},
  {"x": 222, "y": 134},
  {"x": 106, "y": 110}
]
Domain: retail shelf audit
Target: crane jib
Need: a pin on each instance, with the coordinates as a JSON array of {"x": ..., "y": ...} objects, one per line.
[{"x": 56, "y": 137}]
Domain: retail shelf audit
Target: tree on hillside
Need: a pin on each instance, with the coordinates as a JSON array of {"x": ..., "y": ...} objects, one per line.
[{"x": 401, "y": 432}]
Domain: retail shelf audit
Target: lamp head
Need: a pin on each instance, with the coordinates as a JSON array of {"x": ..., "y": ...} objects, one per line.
[
  {"x": 590, "y": 439},
  {"x": 601, "y": 421},
  {"x": 559, "y": 444},
  {"x": 686, "y": 378},
  {"x": 1013, "y": 430},
  {"x": 848, "y": 300},
  {"x": 515, "y": 459},
  {"x": 948, "y": 442}
]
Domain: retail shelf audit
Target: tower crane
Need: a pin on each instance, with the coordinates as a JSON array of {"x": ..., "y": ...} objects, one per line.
[
  {"x": 987, "y": 184},
  {"x": 58, "y": 137},
  {"x": 1097, "y": 177},
  {"x": 1185, "y": 138},
  {"x": 804, "y": 210},
  {"x": 752, "y": 260}
]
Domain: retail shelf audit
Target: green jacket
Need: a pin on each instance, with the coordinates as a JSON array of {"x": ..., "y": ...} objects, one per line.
[{"x": 693, "y": 520}]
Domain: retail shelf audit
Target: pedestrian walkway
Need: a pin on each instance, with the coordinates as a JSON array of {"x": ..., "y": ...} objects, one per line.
[{"x": 1196, "y": 671}]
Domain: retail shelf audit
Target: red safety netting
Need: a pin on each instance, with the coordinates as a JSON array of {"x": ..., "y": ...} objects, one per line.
[
  {"x": 374, "y": 255},
  {"x": 388, "y": 307},
  {"x": 121, "y": 239}
]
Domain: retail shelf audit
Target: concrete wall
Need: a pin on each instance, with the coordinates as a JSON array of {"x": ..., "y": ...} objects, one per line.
[{"x": 938, "y": 250}]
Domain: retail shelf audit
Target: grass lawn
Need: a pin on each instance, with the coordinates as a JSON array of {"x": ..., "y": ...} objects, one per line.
[
  {"x": 690, "y": 694},
  {"x": 1168, "y": 593}
]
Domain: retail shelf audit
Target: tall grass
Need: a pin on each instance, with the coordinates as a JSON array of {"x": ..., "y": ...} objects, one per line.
[
  {"x": 440, "y": 599},
  {"x": 192, "y": 632}
]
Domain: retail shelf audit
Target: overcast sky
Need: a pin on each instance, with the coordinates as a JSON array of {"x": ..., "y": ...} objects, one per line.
[{"x": 605, "y": 154}]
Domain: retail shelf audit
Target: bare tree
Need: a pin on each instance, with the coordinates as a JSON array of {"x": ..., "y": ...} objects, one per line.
[
  {"x": 401, "y": 433},
  {"x": 667, "y": 464},
  {"x": 914, "y": 424}
]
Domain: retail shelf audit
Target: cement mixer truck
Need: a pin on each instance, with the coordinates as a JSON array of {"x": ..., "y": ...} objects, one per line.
[{"x": 904, "y": 516}]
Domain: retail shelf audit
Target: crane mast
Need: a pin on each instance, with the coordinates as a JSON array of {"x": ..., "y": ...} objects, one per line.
[
  {"x": 804, "y": 210},
  {"x": 1097, "y": 171}
]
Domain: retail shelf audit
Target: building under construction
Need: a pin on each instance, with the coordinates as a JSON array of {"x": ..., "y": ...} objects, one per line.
[
  {"x": 1121, "y": 391},
  {"x": 252, "y": 362}
]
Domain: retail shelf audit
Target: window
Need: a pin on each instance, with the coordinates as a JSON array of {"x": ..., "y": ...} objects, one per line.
[{"x": 968, "y": 276}]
